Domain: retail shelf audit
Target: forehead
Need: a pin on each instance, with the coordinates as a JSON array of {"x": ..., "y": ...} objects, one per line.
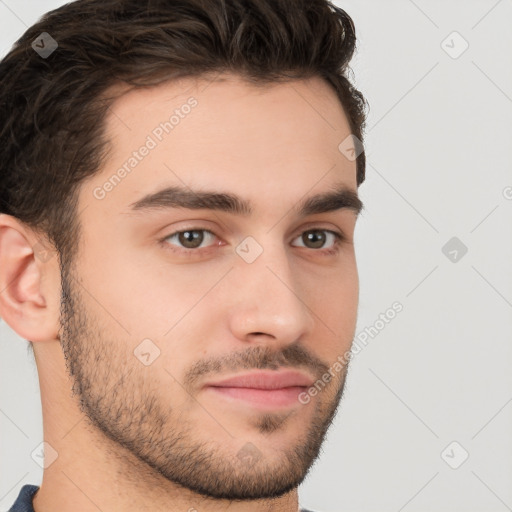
[{"x": 223, "y": 133}]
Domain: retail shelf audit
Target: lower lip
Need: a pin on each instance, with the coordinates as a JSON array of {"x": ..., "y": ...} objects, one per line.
[{"x": 264, "y": 398}]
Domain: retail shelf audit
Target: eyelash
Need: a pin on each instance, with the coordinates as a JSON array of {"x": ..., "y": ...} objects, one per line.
[{"x": 339, "y": 239}]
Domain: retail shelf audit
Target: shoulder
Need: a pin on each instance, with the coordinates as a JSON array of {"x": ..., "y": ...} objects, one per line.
[{"x": 23, "y": 502}]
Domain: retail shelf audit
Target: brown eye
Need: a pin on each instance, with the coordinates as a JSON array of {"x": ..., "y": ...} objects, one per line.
[
  {"x": 316, "y": 239},
  {"x": 319, "y": 238},
  {"x": 190, "y": 238}
]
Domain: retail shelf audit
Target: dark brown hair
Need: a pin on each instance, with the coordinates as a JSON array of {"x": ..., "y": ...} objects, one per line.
[{"x": 52, "y": 109}]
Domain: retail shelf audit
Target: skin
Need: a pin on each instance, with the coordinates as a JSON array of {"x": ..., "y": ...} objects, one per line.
[{"x": 131, "y": 436}]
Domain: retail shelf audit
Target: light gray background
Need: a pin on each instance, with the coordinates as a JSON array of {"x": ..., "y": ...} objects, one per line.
[{"x": 439, "y": 152}]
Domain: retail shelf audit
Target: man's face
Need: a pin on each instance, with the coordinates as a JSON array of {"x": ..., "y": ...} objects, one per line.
[{"x": 152, "y": 317}]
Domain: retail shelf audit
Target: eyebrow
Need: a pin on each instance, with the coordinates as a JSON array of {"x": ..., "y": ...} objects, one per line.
[{"x": 338, "y": 198}]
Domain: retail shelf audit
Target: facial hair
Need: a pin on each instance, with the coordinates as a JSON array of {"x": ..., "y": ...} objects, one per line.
[{"x": 124, "y": 402}]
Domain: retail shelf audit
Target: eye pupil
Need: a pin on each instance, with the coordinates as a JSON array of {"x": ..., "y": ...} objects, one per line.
[
  {"x": 191, "y": 239},
  {"x": 317, "y": 238}
]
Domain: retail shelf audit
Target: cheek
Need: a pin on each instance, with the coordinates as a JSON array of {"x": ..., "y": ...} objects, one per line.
[
  {"x": 334, "y": 303},
  {"x": 133, "y": 294},
  {"x": 164, "y": 300}
]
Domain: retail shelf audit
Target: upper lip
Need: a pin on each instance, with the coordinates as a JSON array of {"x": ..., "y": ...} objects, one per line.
[{"x": 265, "y": 380}]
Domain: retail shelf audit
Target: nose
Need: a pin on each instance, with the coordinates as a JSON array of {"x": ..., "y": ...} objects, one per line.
[{"x": 268, "y": 303}]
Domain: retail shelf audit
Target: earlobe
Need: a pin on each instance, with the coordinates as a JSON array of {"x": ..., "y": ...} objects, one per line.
[{"x": 29, "y": 282}]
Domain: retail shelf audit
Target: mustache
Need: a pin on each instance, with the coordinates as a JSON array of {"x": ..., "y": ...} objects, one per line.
[{"x": 257, "y": 358}]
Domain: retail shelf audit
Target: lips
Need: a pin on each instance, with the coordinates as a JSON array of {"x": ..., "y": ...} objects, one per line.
[
  {"x": 265, "y": 380},
  {"x": 262, "y": 390}
]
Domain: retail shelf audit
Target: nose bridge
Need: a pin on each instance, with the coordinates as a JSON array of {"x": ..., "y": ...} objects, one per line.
[{"x": 268, "y": 299}]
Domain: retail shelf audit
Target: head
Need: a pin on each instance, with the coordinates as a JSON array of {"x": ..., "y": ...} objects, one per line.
[{"x": 174, "y": 176}]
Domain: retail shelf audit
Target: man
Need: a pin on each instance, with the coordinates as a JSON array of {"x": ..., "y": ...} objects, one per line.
[{"x": 178, "y": 203}]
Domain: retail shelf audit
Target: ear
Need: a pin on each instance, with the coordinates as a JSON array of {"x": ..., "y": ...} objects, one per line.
[{"x": 29, "y": 281}]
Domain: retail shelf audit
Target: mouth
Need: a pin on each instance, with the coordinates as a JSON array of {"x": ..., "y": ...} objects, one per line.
[{"x": 262, "y": 389}]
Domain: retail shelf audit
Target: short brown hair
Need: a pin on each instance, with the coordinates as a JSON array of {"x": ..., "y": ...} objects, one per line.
[{"x": 52, "y": 110}]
